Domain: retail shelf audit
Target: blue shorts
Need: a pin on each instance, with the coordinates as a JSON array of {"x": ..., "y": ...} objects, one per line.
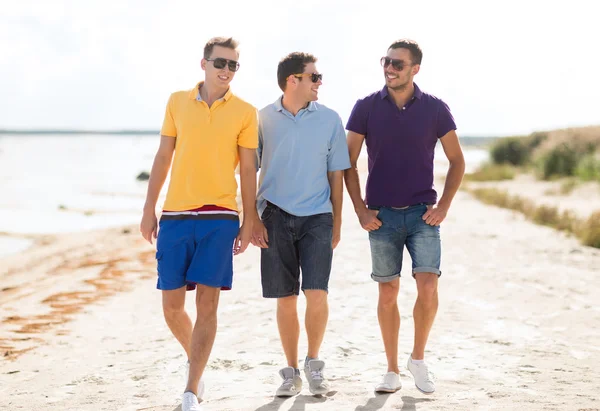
[
  {"x": 404, "y": 227},
  {"x": 196, "y": 250}
]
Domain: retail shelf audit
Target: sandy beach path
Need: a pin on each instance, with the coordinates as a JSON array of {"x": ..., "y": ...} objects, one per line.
[{"x": 518, "y": 326}]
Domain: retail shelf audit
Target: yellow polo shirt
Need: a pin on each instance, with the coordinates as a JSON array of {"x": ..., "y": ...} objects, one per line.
[{"x": 206, "y": 148}]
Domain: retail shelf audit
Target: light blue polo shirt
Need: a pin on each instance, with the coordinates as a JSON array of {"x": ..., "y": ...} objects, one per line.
[{"x": 294, "y": 155}]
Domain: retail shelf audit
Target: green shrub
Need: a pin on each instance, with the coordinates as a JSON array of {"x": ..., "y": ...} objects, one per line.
[
  {"x": 559, "y": 161},
  {"x": 588, "y": 168},
  {"x": 510, "y": 150}
]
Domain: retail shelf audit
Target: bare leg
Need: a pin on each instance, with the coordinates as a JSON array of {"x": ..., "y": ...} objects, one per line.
[
  {"x": 289, "y": 328},
  {"x": 177, "y": 319},
  {"x": 203, "y": 336},
  {"x": 424, "y": 311},
  {"x": 389, "y": 321},
  {"x": 317, "y": 313}
]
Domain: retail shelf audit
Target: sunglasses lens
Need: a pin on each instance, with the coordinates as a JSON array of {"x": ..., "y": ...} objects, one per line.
[
  {"x": 316, "y": 77},
  {"x": 396, "y": 64},
  {"x": 233, "y": 65},
  {"x": 219, "y": 63}
]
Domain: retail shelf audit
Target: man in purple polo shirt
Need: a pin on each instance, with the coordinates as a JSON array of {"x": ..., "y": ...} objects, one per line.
[{"x": 401, "y": 125}]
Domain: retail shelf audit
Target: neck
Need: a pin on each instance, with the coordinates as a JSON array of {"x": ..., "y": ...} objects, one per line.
[
  {"x": 293, "y": 104},
  {"x": 403, "y": 94},
  {"x": 210, "y": 94}
]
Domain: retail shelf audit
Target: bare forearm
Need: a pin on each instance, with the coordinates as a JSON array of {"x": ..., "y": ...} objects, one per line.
[
  {"x": 353, "y": 186},
  {"x": 337, "y": 197},
  {"x": 158, "y": 175},
  {"x": 248, "y": 189},
  {"x": 452, "y": 184}
]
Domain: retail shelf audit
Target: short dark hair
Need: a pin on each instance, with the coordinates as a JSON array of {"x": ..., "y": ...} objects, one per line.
[
  {"x": 410, "y": 45},
  {"x": 227, "y": 42},
  {"x": 293, "y": 63}
]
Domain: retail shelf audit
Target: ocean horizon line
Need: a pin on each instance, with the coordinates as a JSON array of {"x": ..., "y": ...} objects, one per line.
[{"x": 146, "y": 132}]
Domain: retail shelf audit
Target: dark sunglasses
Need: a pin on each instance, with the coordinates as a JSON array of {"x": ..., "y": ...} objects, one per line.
[
  {"x": 220, "y": 63},
  {"x": 314, "y": 77},
  {"x": 396, "y": 64}
]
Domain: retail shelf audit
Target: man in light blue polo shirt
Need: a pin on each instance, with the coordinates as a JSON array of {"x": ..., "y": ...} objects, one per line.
[{"x": 302, "y": 154}]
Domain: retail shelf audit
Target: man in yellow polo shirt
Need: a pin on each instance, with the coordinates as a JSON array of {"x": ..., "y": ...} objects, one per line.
[{"x": 206, "y": 133}]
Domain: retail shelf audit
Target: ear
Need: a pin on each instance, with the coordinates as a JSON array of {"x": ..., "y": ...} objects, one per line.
[
  {"x": 415, "y": 69},
  {"x": 203, "y": 64},
  {"x": 291, "y": 81}
]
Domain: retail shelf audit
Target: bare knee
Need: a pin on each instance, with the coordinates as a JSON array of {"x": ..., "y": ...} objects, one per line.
[
  {"x": 207, "y": 302},
  {"x": 315, "y": 298},
  {"x": 427, "y": 286},
  {"x": 173, "y": 304},
  {"x": 388, "y": 293},
  {"x": 287, "y": 305}
]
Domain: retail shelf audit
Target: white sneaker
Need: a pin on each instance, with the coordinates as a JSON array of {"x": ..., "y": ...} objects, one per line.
[
  {"x": 317, "y": 383},
  {"x": 423, "y": 378},
  {"x": 189, "y": 402},
  {"x": 200, "y": 384},
  {"x": 291, "y": 385},
  {"x": 391, "y": 383}
]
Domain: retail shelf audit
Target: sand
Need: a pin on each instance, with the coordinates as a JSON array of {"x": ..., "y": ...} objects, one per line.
[{"x": 518, "y": 326}]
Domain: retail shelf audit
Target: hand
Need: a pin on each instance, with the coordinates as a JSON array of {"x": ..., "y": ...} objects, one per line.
[
  {"x": 368, "y": 219},
  {"x": 243, "y": 238},
  {"x": 149, "y": 226},
  {"x": 337, "y": 235},
  {"x": 435, "y": 214},
  {"x": 260, "y": 237}
]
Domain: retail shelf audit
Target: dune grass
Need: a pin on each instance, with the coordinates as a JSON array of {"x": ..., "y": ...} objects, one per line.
[
  {"x": 492, "y": 172},
  {"x": 586, "y": 230}
]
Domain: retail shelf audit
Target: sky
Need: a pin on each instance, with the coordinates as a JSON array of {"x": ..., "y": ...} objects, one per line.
[{"x": 504, "y": 67}]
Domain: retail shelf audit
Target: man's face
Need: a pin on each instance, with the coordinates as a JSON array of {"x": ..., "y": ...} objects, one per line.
[
  {"x": 400, "y": 72},
  {"x": 305, "y": 88},
  {"x": 219, "y": 72}
]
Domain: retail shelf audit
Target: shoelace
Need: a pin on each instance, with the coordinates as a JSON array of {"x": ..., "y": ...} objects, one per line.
[
  {"x": 316, "y": 375},
  {"x": 428, "y": 374},
  {"x": 288, "y": 382}
]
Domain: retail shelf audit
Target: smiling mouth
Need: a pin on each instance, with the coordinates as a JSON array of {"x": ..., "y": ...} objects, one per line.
[
  {"x": 224, "y": 78},
  {"x": 390, "y": 76}
]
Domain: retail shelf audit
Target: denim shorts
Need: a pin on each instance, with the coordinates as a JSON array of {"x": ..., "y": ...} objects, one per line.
[
  {"x": 196, "y": 251},
  {"x": 404, "y": 227},
  {"x": 295, "y": 244}
]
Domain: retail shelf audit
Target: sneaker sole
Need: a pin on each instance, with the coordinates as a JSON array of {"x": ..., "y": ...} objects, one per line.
[
  {"x": 286, "y": 395},
  {"x": 424, "y": 392},
  {"x": 388, "y": 390},
  {"x": 316, "y": 392}
]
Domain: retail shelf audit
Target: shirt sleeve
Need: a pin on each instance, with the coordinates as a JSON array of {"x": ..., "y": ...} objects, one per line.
[
  {"x": 338, "y": 157},
  {"x": 358, "y": 118},
  {"x": 168, "y": 127},
  {"x": 248, "y": 136},
  {"x": 445, "y": 120}
]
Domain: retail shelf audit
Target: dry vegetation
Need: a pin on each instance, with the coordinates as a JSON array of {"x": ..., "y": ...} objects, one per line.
[{"x": 587, "y": 230}]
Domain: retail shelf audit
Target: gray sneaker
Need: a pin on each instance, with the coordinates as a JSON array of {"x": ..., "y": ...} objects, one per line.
[
  {"x": 317, "y": 384},
  {"x": 292, "y": 383}
]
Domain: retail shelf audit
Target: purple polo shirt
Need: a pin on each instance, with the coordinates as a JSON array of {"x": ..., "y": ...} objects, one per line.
[{"x": 400, "y": 145}]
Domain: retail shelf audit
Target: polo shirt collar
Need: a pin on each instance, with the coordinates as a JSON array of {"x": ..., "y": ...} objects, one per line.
[
  {"x": 195, "y": 93},
  {"x": 312, "y": 106},
  {"x": 417, "y": 94}
]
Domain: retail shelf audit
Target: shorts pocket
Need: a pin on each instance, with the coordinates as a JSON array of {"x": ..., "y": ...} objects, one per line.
[{"x": 267, "y": 213}]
